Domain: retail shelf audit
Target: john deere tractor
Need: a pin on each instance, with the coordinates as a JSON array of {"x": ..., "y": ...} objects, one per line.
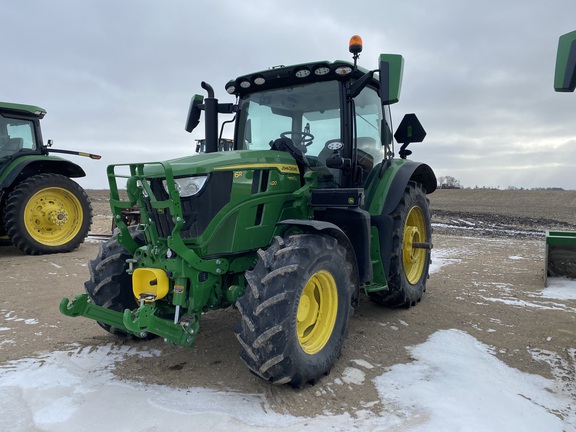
[
  {"x": 310, "y": 210},
  {"x": 41, "y": 209},
  {"x": 560, "y": 257}
]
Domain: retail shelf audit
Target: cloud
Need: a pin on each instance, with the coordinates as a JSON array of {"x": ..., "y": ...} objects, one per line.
[{"x": 121, "y": 74}]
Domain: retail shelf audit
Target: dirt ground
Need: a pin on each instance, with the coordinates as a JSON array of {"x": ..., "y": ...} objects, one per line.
[{"x": 493, "y": 246}]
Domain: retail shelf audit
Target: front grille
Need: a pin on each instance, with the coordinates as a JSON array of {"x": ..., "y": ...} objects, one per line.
[{"x": 198, "y": 210}]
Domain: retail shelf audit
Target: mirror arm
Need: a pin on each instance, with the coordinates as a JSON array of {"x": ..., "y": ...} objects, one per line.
[{"x": 359, "y": 85}]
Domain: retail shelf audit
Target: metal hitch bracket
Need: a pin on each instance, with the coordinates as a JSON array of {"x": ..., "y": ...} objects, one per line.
[
  {"x": 80, "y": 306},
  {"x": 140, "y": 322},
  {"x": 145, "y": 320}
]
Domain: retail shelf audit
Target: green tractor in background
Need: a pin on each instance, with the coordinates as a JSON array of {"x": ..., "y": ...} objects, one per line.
[
  {"x": 560, "y": 256},
  {"x": 42, "y": 210},
  {"x": 310, "y": 209}
]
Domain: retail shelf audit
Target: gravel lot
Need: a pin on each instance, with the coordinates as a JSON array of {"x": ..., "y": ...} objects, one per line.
[{"x": 491, "y": 245}]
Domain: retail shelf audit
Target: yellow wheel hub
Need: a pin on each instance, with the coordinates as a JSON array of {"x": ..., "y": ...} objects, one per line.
[
  {"x": 413, "y": 258},
  {"x": 53, "y": 216},
  {"x": 317, "y": 311}
]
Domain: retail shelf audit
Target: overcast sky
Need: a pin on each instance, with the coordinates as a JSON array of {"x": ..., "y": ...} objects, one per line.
[{"x": 116, "y": 77}]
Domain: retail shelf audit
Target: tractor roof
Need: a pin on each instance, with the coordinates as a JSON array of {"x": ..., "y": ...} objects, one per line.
[
  {"x": 286, "y": 76},
  {"x": 22, "y": 109}
]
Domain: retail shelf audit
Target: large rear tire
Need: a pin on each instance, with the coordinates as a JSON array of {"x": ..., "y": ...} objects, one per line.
[
  {"x": 110, "y": 286},
  {"x": 47, "y": 213},
  {"x": 296, "y": 309},
  {"x": 409, "y": 264}
]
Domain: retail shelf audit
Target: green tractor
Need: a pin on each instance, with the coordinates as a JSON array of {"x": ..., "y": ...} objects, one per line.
[
  {"x": 42, "y": 210},
  {"x": 308, "y": 211},
  {"x": 560, "y": 256}
]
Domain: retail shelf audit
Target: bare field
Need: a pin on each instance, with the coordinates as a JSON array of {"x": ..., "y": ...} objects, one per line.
[
  {"x": 556, "y": 206},
  {"x": 517, "y": 214}
]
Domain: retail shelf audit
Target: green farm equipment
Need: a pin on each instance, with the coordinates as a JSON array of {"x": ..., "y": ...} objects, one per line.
[
  {"x": 41, "y": 209},
  {"x": 309, "y": 209},
  {"x": 565, "y": 73},
  {"x": 560, "y": 255}
]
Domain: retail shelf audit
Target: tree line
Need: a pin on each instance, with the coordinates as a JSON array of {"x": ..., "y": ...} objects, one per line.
[{"x": 449, "y": 182}]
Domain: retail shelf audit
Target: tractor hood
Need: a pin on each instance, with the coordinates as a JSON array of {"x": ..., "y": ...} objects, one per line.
[{"x": 239, "y": 160}]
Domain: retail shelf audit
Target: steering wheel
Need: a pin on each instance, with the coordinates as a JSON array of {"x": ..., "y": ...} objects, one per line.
[{"x": 306, "y": 138}]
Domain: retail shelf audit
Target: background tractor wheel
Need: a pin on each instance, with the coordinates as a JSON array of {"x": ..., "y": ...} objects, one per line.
[
  {"x": 408, "y": 264},
  {"x": 109, "y": 285},
  {"x": 295, "y": 310},
  {"x": 47, "y": 213}
]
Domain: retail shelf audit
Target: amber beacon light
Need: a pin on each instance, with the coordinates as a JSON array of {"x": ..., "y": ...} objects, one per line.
[{"x": 355, "y": 45}]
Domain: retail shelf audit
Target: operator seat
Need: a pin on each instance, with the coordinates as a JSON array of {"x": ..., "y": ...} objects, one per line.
[
  {"x": 369, "y": 153},
  {"x": 11, "y": 146}
]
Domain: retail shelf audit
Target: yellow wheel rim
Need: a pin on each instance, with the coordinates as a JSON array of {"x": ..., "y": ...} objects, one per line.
[
  {"x": 53, "y": 216},
  {"x": 414, "y": 259},
  {"x": 317, "y": 311}
]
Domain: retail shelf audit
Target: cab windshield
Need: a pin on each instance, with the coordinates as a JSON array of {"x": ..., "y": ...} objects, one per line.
[{"x": 308, "y": 114}]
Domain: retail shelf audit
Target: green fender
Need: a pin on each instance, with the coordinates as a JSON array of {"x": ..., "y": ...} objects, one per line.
[
  {"x": 384, "y": 190},
  {"x": 359, "y": 258},
  {"x": 28, "y": 165}
]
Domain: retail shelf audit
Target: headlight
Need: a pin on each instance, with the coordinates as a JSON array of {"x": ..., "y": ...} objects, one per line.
[{"x": 187, "y": 186}]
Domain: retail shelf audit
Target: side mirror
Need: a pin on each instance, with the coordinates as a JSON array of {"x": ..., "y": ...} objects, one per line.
[
  {"x": 391, "y": 67},
  {"x": 410, "y": 130},
  {"x": 194, "y": 113},
  {"x": 565, "y": 74}
]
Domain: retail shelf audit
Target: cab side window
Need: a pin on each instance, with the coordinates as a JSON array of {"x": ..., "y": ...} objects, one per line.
[{"x": 368, "y": 116}]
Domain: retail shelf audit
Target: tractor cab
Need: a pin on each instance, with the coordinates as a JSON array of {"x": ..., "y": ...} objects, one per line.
[
  {"x": 333, "y": 117},
  {"x": 19, "y": 130},
  {"x": 308, "y": 119}
]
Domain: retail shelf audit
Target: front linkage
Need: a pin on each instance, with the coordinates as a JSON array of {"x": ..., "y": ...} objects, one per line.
[
  {"x": 138, "y": 323},
  {"x": 172, "y": 285}
]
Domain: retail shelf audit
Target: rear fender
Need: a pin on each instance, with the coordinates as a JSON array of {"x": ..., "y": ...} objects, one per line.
[
  {"x": 387, "y": 182},
  {"x": 27, "y": 166},
  {"x": 384, "y": 193}
]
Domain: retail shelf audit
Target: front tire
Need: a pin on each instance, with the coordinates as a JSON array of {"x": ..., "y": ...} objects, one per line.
[
  {"x": 47, "y": 213},
  {"x": 296, "y": 309},
  {"x": 409, "y": 263},
  {"x": 110, "y": 286}
]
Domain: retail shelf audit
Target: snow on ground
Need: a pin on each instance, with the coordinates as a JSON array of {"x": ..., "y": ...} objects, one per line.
[
  {"x": 455, "y": 383},
  {"x": 560, "y": 288}
]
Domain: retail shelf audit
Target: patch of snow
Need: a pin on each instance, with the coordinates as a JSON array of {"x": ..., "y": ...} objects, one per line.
[
  {"x": 560, "y": 289},
  {"x": 466, "y": 222},
  {"x": 353, "y": 376},
  {"x": 11, "y": 316},
  {"x": 456, "y": 384},
  {"x": 525, "y": 304},
  {"x": 363, "y": 363},
  {"x": 440, "y": 258}
]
